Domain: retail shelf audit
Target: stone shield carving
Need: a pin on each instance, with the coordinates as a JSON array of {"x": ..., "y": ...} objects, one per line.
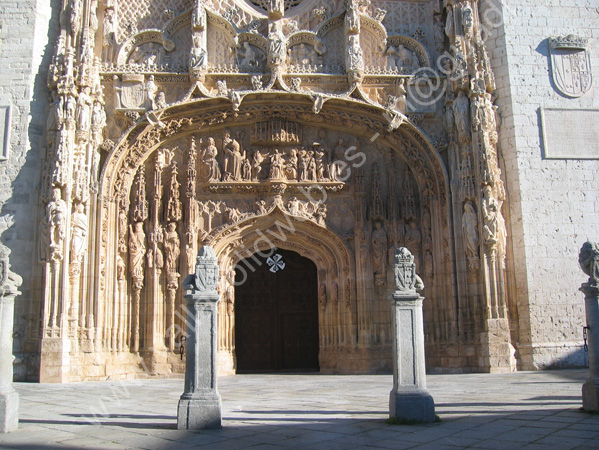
[
  {"x": 132, "y": 91},
  {"x": 570, "y": 65},
  {"x": 206, "y": 276}
]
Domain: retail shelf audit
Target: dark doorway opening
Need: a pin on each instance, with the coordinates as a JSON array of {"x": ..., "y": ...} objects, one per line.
[{"x": 276, "y": 313}]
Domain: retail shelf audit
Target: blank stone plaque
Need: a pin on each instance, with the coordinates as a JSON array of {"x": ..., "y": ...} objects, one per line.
[
  {"x": 4, "y": 131},
  {"x": 570, "y": 133}
]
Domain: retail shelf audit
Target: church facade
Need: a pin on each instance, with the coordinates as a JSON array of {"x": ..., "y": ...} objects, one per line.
[{"x": 304, "y": 141}]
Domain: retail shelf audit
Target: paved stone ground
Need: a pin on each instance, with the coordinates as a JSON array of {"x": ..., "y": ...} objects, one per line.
[{"x": 532, "y": 410}]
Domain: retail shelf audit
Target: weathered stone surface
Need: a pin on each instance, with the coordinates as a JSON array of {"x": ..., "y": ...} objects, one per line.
[
  {"x": 200, "y": 404},
  {"x": 234, "y": 137},
  {"x": 9, "y": 399},
  {"x": 589, "y": 263},
  {"x": 409, "y": 399}
]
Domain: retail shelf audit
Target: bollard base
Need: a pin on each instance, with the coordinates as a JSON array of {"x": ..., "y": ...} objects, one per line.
[
  {"x": 412, "y": 407},
  {"x": 590, "y": 396},
  {"x": 199, "y": 413},
  {"x": 9, "y": 411}
]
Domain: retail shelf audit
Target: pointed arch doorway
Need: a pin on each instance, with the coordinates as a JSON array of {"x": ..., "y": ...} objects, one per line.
[{"x": 276, "y": 313}]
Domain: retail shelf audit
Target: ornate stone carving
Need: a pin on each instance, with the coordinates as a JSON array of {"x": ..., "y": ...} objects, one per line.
[
  {"x": 407, "y": 282},
  {"x": 570, "y": 65},
  {"x": 380, "y": 244},
  {"x": 589, "y": 262}
]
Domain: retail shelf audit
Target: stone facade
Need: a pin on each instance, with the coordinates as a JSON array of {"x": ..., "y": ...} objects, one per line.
[
  {"x": 339, "y": 130},
  {"x": 554, "y": 203}
]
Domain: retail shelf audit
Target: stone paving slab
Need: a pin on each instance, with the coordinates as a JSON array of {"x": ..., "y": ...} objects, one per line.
[{"x": 529, "y": 410}]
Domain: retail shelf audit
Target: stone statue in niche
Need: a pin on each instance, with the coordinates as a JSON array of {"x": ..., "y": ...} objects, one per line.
[
  {"x": 277, "y": 166},
  {"x": 311, "y": 166},
  {"x": 79, "y": 228},
  {"x": 461, "y": 112},
  {"x": 380, "y": 243},
  {"x": 413, "y": 239},
  {"x": 211, "y": 169},
  {"x": 53, "y": 226},
  {"x": 336, "y": 166},
  {"x": 291, "y": 166},
  {"x": 491, "y": 218},
  {"x": 276, "y": 46},
  {"x": 137, "y": 250},
  {"x": 172, "y": 248},
  {"x": 257, "y": 161},
  {"x": 197, "y": 58},
  {"x": 246, "y": 170},
  {"x": 151, "y": 91},
  {"x": 400, "y": 58},
  {"x": 429, "y": 270},
  {"x": 247, "y": 56},
  {"x": 84, "y": 106},
  {"x": 233, "y": 158},
  {"x": 319, "y": 159},
  {"x": 303, "y": 160},
  {"x": 470, "y": 230}
]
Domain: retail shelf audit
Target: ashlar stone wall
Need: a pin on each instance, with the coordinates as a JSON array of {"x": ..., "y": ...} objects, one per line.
[
  {"x": 24, "y": 40},
  {"x": 554, "y": 203}
]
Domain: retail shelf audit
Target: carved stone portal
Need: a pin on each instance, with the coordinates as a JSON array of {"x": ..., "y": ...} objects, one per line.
[{"x": 261, "y": 125}]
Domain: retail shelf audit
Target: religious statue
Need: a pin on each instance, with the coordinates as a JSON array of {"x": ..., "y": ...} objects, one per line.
[
  {"x": 151, "y": 90},
  {"x": 470, "y": 230},
  {"x": 78, "y": 233},
  {"x": 233, "y": 158},
  {"x": 379, "y": 254},
  {"x": 303, "y": 161},
  {"x": 211, "y": 167},
  {"x": 291, "y": 167},
  {"x": 56, "y": 220},
  {"x": 137, "y": 250},
  {"x": 83, "y": 111},
  {"x": 172, "y": 248},
  {"x": 413, "y": 239},
  {"x": 257, "y": 161},
  {"x": 319, "y": 156},
  {"x": 197, "y": 57},
  {"x": 491, "y": 218},
  {"x": 277, "y": 166},
  {"x": 461, "y": 112},
  {"x": 276, "y": 46}
]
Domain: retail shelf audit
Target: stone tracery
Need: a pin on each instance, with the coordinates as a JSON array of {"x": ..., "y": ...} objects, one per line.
[{"x": 218, "y": 117}]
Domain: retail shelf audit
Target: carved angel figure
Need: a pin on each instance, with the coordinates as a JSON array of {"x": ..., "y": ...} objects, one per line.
[{"x": 589, "y": 261}]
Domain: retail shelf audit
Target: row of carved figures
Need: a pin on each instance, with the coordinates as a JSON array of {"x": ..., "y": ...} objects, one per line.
[{"x": 298, "y": 164}]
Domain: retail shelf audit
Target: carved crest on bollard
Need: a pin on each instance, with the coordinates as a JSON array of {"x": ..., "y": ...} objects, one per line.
[
  {"x": 205, "y": 278},
  {"x": 589, "y": 261},
  {"x": 404, "y": 272}
]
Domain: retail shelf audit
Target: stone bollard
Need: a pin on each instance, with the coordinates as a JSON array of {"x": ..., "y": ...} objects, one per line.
[
  {"x": 200, "y": 404},
  {"x": 589, "y": 262},
  {"x": 9, "y": 399},
  {"x": 409, "y": 400}
]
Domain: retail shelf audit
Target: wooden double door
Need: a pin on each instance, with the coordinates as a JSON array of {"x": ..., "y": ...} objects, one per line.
[{"x": 276, "y": 313}]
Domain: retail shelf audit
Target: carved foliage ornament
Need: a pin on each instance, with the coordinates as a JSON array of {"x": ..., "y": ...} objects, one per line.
[{"x": 570, "y": 65}]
